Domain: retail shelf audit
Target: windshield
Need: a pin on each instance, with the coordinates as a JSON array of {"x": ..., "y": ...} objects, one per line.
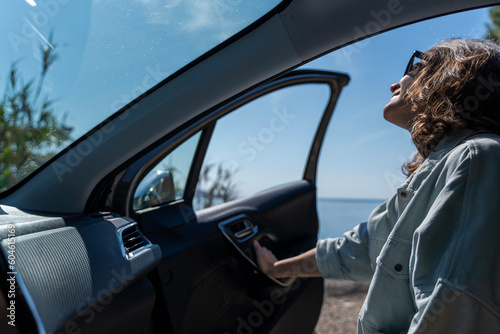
[{"x": 65, "y": 66}]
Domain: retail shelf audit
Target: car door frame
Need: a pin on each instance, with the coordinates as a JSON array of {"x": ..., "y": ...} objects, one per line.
[{"x": 117, "y": 192}]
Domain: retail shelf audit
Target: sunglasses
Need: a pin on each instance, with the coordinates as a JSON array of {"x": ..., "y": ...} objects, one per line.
[{"x": 411, "y": 63}]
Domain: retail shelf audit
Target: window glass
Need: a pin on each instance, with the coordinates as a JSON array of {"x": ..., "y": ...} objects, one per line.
[
  {"x": 66, "y": 66},
  {"x": 262, "y": 144},
  {"x": 166, "y": 182}
]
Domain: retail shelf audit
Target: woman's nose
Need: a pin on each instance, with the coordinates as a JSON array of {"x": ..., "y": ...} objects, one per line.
[{"x": 395, "y": 86}]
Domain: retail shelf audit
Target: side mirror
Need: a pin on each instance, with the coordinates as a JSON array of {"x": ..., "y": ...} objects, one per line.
[{"x": 155, "y": 189}]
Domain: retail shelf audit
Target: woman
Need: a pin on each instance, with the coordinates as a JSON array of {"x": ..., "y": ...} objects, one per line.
[{"x": 432, "y": 252}]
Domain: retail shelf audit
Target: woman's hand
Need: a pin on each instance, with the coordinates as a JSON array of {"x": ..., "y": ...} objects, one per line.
[
  {"x": 265, "y": 259},
  {"x": 303, "y": 265}
]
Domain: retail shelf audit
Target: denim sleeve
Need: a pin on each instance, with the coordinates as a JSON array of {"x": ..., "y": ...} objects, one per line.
[{"x": 345, "y": 258}]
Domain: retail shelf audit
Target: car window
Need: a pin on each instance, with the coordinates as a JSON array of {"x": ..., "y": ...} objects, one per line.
[
  {"x": 66, "y": 66},
  {"x": 166, "y": 182},
  {"x": 262, "y": 144}
]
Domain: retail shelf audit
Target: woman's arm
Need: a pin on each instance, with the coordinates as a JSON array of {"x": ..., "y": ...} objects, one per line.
[
  {"x": 303, "y": 265},
  {"x": 345, "y": 258}
]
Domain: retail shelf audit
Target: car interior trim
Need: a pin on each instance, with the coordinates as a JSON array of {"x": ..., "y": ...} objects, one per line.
[
  {"x": 25, "y": 295},
  {"x": 224, "y": 227},
  {"x": 131, "y": 255}
]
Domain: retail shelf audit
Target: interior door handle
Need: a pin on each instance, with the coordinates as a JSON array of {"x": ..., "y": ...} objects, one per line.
[
  {"x": 247, "y": 230},
  {"x": 239, "y": 230}
]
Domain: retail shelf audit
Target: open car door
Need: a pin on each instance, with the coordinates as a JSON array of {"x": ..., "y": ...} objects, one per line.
[{"x": 207, "y": 280}]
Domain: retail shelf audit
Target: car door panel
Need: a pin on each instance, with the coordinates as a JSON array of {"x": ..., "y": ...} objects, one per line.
[{"x": 200, "y": 266}]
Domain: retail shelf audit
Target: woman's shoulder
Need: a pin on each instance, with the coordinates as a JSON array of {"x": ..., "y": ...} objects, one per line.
[
  {"x": 483, "y": 144},
  {"x": 464, "y": 149},
  {"x": 482, "y": 150}
]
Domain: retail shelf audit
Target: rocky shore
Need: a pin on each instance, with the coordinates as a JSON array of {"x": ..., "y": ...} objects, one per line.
[{"x": 341, "y": 304}]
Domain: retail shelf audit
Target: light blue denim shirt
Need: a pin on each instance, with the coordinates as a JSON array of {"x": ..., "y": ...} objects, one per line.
[{"x": 432, "y": 251}]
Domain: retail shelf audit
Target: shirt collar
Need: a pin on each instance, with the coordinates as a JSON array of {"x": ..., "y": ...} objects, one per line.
[
  {"x": 444, "y": 147},
  {"x": 448, "y": 143}
]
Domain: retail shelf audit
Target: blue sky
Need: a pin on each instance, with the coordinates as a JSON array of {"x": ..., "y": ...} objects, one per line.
[{"x": 362, "y": 153}]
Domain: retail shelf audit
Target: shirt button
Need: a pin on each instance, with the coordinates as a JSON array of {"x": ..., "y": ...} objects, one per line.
[
  {"x": 398, "y": 267},
  {"x": 404, "y": 194}
]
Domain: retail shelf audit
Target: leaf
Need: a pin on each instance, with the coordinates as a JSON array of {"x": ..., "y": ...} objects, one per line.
[{"x": 29, "y": 131}]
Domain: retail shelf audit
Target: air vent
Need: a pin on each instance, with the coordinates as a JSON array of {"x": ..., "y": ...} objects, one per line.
[{"x": 133, "y": 241}]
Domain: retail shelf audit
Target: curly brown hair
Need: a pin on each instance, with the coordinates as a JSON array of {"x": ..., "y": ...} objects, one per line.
[{"x": 457, "y": 86}]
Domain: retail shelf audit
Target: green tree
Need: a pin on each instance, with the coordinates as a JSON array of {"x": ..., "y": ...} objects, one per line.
[
  {"x": 215, "y": 186},
  {"x": 494, "y": 26},
  {"x": 29, "y": 131}
]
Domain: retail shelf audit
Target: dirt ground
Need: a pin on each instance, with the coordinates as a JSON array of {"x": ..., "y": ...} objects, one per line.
[{"x": 341, "y": 304}]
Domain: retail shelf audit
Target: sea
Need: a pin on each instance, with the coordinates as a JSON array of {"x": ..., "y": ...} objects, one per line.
[{"x": 339, "y": 215}]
